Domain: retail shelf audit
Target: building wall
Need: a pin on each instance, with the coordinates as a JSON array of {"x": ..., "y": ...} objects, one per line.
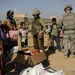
[{"x": 19, "y": 20}]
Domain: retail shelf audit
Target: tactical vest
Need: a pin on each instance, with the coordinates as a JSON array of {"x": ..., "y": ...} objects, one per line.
[
  {"x": 36, "y": 27},
  {"x": 69, "y": 22}
]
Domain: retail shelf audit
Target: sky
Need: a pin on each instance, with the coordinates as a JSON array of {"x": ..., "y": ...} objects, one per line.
[{"x": 47, "y": 7}]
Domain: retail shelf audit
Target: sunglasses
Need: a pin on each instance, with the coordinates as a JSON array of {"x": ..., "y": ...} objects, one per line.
[{"x": 35, "y": 15}]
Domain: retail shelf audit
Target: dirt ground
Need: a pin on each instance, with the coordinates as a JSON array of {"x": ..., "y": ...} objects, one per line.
[{"x": 56, "y": 59}]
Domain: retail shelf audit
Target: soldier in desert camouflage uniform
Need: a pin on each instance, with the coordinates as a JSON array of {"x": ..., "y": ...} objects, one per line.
[
  {"x": 68, "y": 26},
  {"x": 37, "y": 30}
]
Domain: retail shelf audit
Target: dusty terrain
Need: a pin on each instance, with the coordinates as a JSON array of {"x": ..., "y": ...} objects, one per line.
[{"x": 56, "y": 59}]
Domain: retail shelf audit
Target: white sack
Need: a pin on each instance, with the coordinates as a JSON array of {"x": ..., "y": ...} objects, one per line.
[{"x": 25, "y": 71}]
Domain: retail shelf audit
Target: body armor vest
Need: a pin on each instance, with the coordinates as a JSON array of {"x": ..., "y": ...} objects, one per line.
[
  {"x": 69, "y": 22},
  {"x": 36, "y": 27}
]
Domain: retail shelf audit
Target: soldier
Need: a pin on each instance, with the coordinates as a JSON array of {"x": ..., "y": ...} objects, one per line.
[
  {"x": 37, "y": 30},
  {"x": 68, "y": 26}
]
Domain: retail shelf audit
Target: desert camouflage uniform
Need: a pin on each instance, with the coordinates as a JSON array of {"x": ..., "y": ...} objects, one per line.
[
  {"x": 68, "y": 26},
  {"x": 38, "y": 26}
]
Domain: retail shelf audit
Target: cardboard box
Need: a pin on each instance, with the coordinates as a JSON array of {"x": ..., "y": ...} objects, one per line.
[
  {"x": 37, "y": 58},
  {"x": 32, "y": 49}
]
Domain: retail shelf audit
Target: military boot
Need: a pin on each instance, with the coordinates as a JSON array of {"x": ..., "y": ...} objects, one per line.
[
  {"x": 72, "y": 55},
  {"x": 65, "y": 56}
]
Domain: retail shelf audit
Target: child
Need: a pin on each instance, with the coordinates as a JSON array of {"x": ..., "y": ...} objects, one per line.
[
  {"x": 23, "y": 34},
  {"x": 54, "y": 34}
]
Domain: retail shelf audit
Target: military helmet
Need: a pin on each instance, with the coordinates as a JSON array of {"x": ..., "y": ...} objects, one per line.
[
  {"x": 68, "y": 6},
  {"x": 35, "y": 12},
  {"x": 10, "y": 12}
]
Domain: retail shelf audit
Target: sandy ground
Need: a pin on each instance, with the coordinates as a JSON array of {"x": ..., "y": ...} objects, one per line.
[{"x": 56, "y": 59}]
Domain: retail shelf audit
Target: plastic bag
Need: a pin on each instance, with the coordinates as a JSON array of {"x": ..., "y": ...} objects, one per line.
[
  {"x": 36, "y": 69},
  {"x": 13, "y": 50},
  {"x": 50, "y": 71},
  {"x": 13, "y": 35},
  {"x": 32, "y": 71},
  {"x": 25, "y": 71}
]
